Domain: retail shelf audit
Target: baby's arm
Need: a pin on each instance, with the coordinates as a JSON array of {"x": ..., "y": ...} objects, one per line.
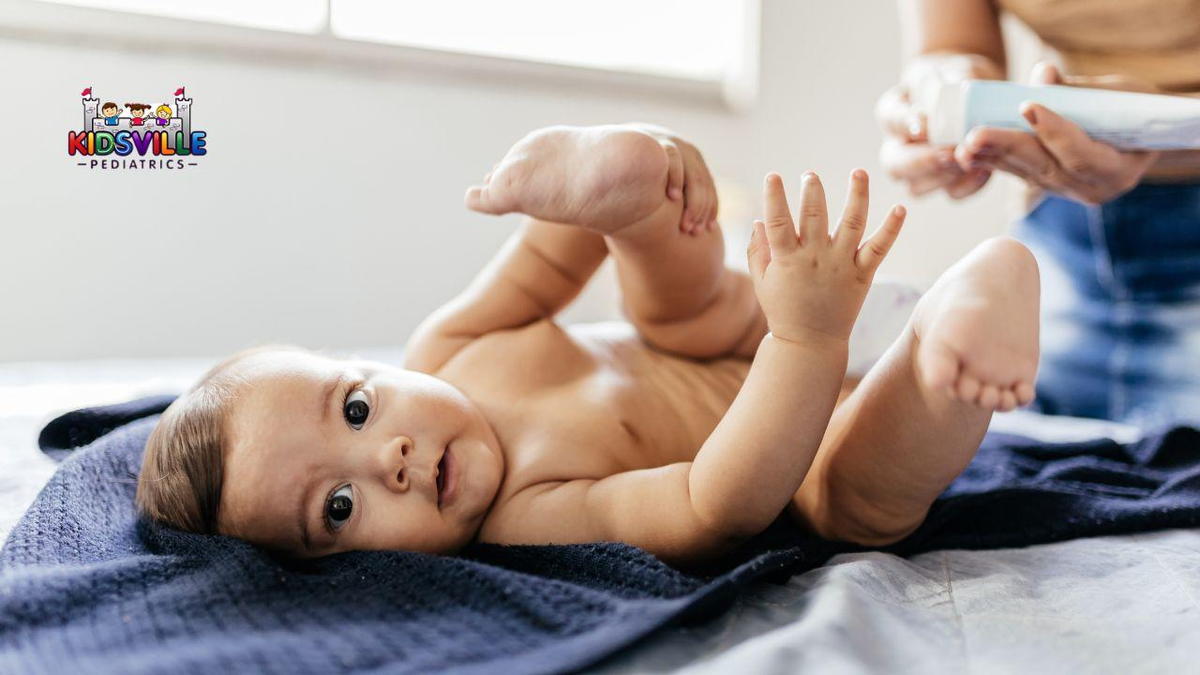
[
  {"x": 743, "y": 477},
  {"x": 811, "y": 287},
  {"x": 540, "y": 269}
]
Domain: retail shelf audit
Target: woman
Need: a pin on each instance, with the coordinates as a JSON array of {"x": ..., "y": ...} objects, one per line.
[{"x": 1117, "y": 234}]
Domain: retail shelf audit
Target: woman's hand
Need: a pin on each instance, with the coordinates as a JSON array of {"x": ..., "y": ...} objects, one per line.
[
  {"x": 908, "y": 157},
  {"x": 906, "y": 153},
  {"x": 1059, "y": 156}
]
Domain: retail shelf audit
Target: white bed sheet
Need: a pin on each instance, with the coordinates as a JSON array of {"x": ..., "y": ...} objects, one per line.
[{"x": 1107, "y": 605}]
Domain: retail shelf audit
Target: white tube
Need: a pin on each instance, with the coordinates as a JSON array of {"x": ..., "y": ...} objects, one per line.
[{"x": 1126, "y": 120}]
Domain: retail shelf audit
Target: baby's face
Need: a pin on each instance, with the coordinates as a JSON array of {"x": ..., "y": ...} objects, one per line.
[{"x": 327, "y": 455}]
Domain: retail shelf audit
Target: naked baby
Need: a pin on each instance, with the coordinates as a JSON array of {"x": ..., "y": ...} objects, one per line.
[{"x": 720, "y": 405}]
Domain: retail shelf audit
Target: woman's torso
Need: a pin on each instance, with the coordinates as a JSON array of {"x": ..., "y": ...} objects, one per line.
[{"x": 1157, "y": 41}]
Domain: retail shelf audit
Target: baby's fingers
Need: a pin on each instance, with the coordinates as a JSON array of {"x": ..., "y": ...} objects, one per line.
[
  {"x": 814, "y": 219},
  {"x": 758, "y": 255},
  {"x": 854, "y": 216},
  {"x": 781, "y": 231},
  {"x": 873, "y": 252}
]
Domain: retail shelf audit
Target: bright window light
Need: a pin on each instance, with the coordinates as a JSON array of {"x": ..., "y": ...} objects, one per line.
[
  {"x": 693, "y": 39},
  {"x": 296, "y": 16},
  {"x": 702, "y": 40}
]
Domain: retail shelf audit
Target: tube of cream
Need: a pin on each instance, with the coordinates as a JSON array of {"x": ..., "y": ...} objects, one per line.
[{"x": 1127, "y": 120}]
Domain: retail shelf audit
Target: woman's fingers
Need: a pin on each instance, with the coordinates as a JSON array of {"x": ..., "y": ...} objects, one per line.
[
  {"x": 923, "y": 168},
  {"x": 1081, "y": 157},
  {"x": 969, "y": 183},
  {"x": 1114, "y": 82},
  {"x": 897, "y": 117},
  {"x": 909, "y": 161},
  {"x": 876, "y": 248},
  {"x": 854, "y": 215},
  {"x": 1016, "y": 152},
  {"x": 1060, "y": 158},
  {"x": 1044, "y": 73},
  {"x": 780, "y": 230},
  {"x": 814, "y": 219},
  {"x": 1107, "y": 170}
]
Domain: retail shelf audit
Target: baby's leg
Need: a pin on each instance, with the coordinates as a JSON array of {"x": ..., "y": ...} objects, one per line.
[
  {"x": 613, "y": 180},
  {"x": 916, "y": 419}
]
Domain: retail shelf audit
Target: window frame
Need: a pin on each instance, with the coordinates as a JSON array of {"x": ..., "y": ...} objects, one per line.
[{"x": 98, "y": 28}]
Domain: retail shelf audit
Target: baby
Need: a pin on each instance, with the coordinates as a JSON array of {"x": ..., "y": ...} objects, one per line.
[{"x": 684, "y": 432}]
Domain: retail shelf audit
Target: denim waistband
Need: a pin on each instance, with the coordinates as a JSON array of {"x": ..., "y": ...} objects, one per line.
[{"x": 1144, "y": 245}]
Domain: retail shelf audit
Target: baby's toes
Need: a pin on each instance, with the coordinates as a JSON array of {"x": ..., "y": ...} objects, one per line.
[
  {"x": 989, "y": 396},
  {"x": 1024, "y": 392},
  {"x": 968, "y": 388},
  {"x": 493, "y": 196},
  {"x": 1008, "y": 400},
  {"x": 694, "y": 213}
]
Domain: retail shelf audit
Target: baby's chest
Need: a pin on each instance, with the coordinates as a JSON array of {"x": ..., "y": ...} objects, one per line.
[{"x": 592, "y": 402}]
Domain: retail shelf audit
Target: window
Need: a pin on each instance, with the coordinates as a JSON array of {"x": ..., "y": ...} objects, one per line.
[
  {"x": 298, "y": 16},
  {"x": 697, "y": 40},
  {"x": 694, "y": 39}
]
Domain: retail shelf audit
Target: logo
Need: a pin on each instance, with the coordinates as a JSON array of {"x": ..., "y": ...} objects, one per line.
[{"x": 135, "y": 136}]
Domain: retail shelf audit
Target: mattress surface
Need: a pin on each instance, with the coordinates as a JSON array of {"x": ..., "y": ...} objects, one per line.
[{"x": 1107, "y": 604}]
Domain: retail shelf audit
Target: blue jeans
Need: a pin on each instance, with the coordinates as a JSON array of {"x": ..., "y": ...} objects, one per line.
[{"x": 1120, "y": 305}]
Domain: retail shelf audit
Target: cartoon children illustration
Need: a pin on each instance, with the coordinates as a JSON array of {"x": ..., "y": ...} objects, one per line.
[
  {"x": 137, "y": 113},
  {"x": 162, "y": 115},
  {"x": 111, "y": 113}
]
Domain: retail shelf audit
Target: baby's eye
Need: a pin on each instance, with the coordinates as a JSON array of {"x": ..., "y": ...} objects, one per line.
[
  {"x": 339, "y": 507},
  {"x": 356, "y": 410}
]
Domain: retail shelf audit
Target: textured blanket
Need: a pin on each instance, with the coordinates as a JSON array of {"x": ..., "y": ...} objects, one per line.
[{"x": 87, "y": 587}]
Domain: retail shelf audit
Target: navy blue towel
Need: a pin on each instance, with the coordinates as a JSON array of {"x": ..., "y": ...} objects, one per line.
[{"x": 87, "y": 587}]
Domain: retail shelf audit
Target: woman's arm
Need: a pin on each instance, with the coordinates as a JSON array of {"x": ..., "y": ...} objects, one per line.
[
  {"x": 538, "y": 271},
  {"x": 953, "y": 28}
]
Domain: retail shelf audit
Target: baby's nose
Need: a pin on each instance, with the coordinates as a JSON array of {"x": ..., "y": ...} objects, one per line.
[{"x": 394, "y": 463}]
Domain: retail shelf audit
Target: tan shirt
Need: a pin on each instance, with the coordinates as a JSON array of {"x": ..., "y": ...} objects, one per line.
[{"x": 1154, "y": 40}]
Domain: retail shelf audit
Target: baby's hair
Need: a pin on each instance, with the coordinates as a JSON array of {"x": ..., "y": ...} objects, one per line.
[
  {"x": 161, "y": 108},
  {"x": 183, "y": 464}
]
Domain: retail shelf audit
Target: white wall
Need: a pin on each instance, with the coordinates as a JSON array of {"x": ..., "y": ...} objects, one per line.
[{"x": 331, "y": 242}]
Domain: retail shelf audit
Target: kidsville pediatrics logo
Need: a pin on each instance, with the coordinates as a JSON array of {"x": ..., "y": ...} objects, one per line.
[{"x": 135, "y": 135}]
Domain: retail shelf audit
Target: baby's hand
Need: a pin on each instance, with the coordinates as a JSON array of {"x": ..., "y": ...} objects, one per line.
[{"x": 811, "y": 283}]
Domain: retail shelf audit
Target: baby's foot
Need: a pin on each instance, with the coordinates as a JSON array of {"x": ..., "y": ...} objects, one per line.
[
  {"x": 602, "y": 178},
  {"x": 977, "y": 328}
]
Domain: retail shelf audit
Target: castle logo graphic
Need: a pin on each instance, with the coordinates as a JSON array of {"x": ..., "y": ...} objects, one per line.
[{"x": 147, "y": 136}]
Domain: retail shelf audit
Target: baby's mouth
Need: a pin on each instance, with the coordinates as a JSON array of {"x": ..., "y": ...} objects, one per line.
[
  {"x": 441, "y": 476},
  {"x": 447, "y": 478}
]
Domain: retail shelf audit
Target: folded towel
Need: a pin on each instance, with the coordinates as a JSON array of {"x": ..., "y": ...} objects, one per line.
[{"x": 85, "y": 586}]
